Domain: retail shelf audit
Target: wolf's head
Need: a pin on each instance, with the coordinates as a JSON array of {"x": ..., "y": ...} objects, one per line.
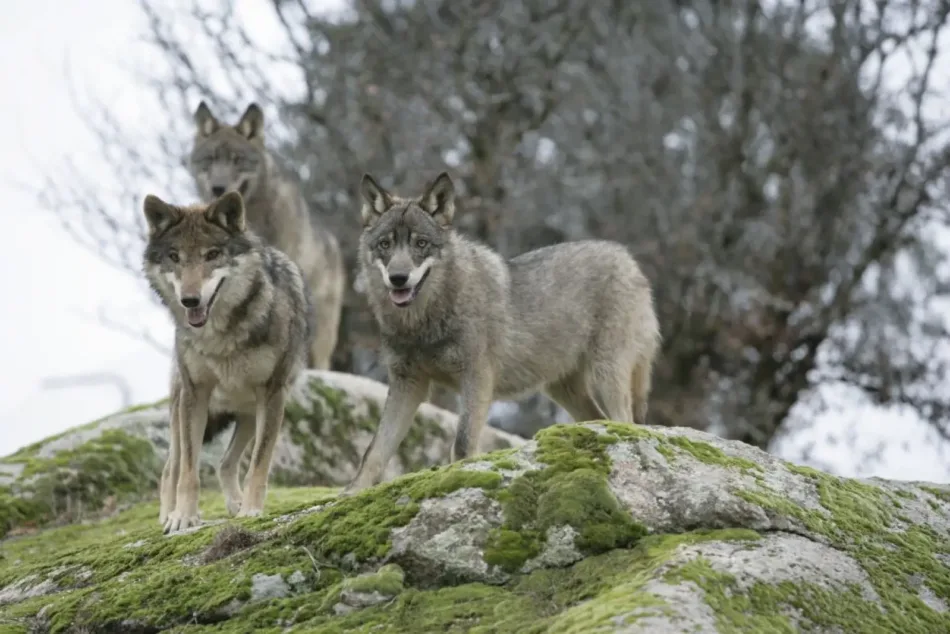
[
  {"x": 228, "y": 158},
  {"x": 404, "y": 239},
  {"x": 192, "y": 251}
]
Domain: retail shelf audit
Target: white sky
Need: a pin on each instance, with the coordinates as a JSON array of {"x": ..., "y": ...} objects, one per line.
[{"x": 49, "y": 281}]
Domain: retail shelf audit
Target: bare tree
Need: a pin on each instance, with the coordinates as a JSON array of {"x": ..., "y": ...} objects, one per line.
[
  {"x": 780, "y": 193},
  {"x": 95, "y": 378}
]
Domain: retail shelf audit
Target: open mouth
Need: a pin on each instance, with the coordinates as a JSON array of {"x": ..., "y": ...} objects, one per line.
[
  {"x": 402, "y": 297},
  {"x": 198, "y": 317}
]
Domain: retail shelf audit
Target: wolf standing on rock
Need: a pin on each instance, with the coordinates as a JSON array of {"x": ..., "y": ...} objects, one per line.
[
  {"x": 575, "y": 319},
  {"x": 243, "y": 324},
  {"x": 234, "y": 158}
]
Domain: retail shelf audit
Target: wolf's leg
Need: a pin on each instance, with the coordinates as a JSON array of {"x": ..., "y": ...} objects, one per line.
[
  {"x": 405, "y": 396},
  {"x": 173, "y": 463},
  {"x": 270, "y": 418},
  {"x": 571, "y": 394},
  {"x": 609, "y": 386},
  {"x": 477, "y": 389},
  {"x": 194, "y": 419},
  {"x": 244, "y": 428}
]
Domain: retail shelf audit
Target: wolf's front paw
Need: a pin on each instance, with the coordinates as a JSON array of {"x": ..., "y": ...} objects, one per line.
[
  {"x": 233, "y": 504},
  {"x": 165, "y": 509},
  {"x": 250, "y": 512},
  {"x": 177, "y": 522},
  {"x": 353, "y": 488}
]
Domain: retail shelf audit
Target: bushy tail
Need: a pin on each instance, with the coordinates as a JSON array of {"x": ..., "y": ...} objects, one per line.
[{"x": 640, "y": 381}]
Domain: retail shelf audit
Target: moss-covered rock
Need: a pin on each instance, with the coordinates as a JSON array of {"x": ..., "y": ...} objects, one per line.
[
  {"x": 599, "y": 527},
  {"x": 329, "y": 421}
]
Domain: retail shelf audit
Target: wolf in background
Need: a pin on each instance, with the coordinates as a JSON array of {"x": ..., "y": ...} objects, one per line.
[
  {"x": 243, "y": 325},
  {"x": 234, "y": 158},
  {"x": 576, "y": 319}
]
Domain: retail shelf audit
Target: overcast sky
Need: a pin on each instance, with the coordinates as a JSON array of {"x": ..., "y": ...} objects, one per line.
[{"x": 52, "y": 288}]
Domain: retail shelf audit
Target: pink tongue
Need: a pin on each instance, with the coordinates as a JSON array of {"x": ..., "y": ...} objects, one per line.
[
  {"x": 400, "y": 295},
  {"x": 196, "y": 315}
]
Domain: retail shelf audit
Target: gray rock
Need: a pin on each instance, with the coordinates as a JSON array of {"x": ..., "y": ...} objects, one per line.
[
  {"x": 446, "y": 538},
  {"x": 265, "y": 587}
]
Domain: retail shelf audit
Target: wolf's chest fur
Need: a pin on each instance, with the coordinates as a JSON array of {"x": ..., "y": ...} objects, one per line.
[{"x": 236, "y": 371}]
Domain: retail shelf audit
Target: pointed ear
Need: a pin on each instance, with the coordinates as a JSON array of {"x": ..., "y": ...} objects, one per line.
[
  {"x": 158, "y": 214},
  {"x": 251, "y": 124},
  {"x": 204, "y": 120},
  {"x": 227, "y": 212},
  {"x": 439, "y": 199},
  {"x": 376, "y": 200}
]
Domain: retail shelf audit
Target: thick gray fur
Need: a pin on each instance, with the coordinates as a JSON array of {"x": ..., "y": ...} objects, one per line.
[
  {"x": 235, "y": 158},
  {"x": 574, "y": 319},
  {"x": 254, "y": 326}
]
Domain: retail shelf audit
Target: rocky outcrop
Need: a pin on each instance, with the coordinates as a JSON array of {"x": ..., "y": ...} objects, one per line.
[
  {"x": 599, "y": 527},
  {"x": 329, "y": 421}
]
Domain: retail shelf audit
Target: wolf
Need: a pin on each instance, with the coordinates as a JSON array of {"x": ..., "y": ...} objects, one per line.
[
  {"x": 243, "y": 324},
  {"x": 574, "y": 319},
  {"x": 234, "y": 158}
]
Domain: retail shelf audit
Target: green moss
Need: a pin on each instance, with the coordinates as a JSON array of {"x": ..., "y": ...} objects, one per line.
[
  {"x": 571, "y": 490},
  {"x": 122, "y": 573},
  {"x": 735, "y": 611},
  {"x": 623, "y": 594},
  {"x": 582, "y": 598},
  {"x": 75, "y": 483},
  {"x": 162, "y": 402},
  {"x": 501, "y": 459},
  {"x": 510, "y": 549},
  {"x": 764, "y": 607},
  {"x": 858, "y": 519},
  {"x": 808, "y": 472},
  {"x": 706, "y": 453},
  {"x": 422, "y": 432},
  {"x": 388, "y": 581},
  {"x": 670, "y": 446},
  {"x": 330, "y": 416},
  {"x": 361, "y": 524},
  {"x": 125, "y": 569},
  {"x": 940, "y": 494}
]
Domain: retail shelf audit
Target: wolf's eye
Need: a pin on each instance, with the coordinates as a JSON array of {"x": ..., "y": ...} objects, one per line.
[
  {"x": 173, "y": 257},
  {"x": 212, "y": 254},
  {"x": 383, "y": 244},
  {"x": 422, "y": 243}
]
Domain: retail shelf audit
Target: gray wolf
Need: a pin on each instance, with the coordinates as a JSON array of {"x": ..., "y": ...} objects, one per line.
[
  {"x": 243, "y": 325},
  {"x": 574, "y": 319},
  {"x": 234, "y": 158}
]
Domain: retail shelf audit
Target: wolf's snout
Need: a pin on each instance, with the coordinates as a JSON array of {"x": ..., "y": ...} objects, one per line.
[
  {"x": 191, "y": 301},
  {"x": 398, "y": 279},
  {"x": 217, "y": 190}
]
